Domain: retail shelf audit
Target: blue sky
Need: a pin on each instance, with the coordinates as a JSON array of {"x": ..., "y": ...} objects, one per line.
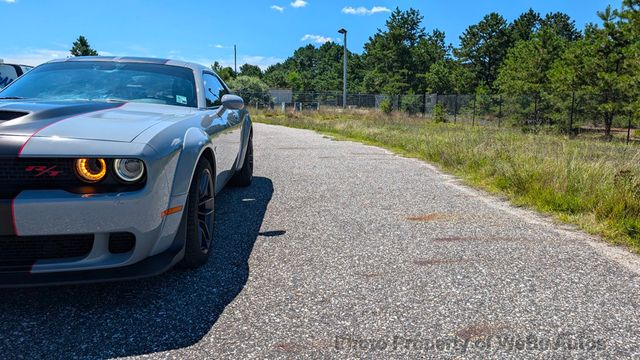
[{"x": 266, "y": 31}]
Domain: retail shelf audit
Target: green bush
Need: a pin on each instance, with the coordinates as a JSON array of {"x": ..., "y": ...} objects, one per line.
[
  {"x": 251, "y": 89},
  {"x": 410, "y": 104},
  {"x": 439, "y": 114},
  {"x": 386, "y": 106}
]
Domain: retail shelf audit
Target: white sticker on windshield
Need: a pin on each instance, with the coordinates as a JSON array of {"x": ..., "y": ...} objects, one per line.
[{"x": 181, "y": 99}]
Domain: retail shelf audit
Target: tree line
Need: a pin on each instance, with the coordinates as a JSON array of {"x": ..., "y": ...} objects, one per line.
[
  {"x": 541, "y": 62},
  {"x": 540, "y": 56}
]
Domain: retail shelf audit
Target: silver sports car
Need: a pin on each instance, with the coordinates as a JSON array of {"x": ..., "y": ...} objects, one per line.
[{"x": 109, "y": 167}]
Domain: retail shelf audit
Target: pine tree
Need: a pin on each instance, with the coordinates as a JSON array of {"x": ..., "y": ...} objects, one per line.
[
  {"x": 483, "y": 48},
  {"x": 81, "y": 47}
]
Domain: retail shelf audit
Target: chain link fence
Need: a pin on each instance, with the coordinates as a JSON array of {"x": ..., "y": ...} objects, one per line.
[{"x": 571, "y": 113}]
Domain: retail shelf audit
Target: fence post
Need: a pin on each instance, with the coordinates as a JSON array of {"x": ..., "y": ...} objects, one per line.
[
  {"x": 473, "y": 119},
  {"x": 629, "y": 131},
  {"x": 573, "y": 107},
  {"x": 455, "y": 110},
  {"x": 500, "y": 110},
  {"x": 424, "y": 105},
  {"x": 535, "y": 109}
]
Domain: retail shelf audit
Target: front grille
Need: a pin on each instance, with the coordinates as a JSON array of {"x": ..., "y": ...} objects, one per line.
[
  {"x": 24, "y": 174},
  {"x": 18, "y": 174},
  {"x": 120, "y": 243},
  {"x": 20, "y": 252}
]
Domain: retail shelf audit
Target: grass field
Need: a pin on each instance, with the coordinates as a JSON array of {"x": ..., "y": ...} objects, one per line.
[{"x": 589, "y": 183}]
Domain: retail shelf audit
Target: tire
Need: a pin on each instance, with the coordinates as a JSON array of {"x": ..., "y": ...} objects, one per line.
[
  {"x": 245, "y": 175},
  {"x": 199, "y": 216}
]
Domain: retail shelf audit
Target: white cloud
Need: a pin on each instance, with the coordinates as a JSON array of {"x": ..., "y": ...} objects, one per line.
[
  {"x": 10, "y": 1},
  {"x": 299, "y": 4},
  {"x": 35, "y": 57},
  {"x": 318, "y": 39},
  {"x": 364, "y": 11},
  {"x": 277, "y": 8}
]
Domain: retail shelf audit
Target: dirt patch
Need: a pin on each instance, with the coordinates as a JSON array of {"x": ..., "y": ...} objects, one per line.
[
  {"x": 436, "y": 216},
  {"x": 479, "y": 331},
  {"x": 287, "y": 347}
]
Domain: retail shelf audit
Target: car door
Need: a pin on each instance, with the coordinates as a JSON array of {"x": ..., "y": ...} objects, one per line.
[
  {"x": 222, "y": 129},
  {"x": 235, "y": 118}
]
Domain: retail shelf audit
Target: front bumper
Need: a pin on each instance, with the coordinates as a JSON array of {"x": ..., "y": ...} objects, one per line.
[
  {"x": 50, "y": 213},
  {"x": 151, "y": 266}
]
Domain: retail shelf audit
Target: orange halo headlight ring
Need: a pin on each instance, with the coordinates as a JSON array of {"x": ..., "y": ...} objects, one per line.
[{"x": 91, "y": 170}]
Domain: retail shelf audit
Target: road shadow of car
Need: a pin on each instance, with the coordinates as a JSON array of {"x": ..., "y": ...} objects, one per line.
[{"x": 167, "y": 312}]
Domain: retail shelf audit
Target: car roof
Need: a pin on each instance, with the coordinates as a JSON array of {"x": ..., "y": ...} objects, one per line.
[
  {"x": 132, "y": 59},
  {"x": 12, "y": 64}
]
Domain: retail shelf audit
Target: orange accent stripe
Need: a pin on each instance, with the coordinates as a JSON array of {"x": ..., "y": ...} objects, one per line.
[{"x": 173, "y": 210}]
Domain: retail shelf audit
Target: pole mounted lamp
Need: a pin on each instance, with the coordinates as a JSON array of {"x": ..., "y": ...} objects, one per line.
[{"x": 344, "y": 69}]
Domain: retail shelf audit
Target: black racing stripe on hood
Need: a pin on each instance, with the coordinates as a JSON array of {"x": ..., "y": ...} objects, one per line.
[
  {"x": 43, "y": 114},
  {"x": 6, "y": 217},
  {"x": 10, "y": 145},
  {"x": 15, "y": 133}
]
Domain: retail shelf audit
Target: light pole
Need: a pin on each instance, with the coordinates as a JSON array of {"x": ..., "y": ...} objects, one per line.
[
  {"x": 235, "y": 60},
  {"x": 344, "y": 69}
]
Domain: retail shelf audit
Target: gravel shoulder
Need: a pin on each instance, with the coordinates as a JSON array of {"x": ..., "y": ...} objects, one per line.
[{"x": 341, "y": 250}]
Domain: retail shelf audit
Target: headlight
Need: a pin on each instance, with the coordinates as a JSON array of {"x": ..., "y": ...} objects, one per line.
[
  {"x": 91, "y": 170},
  {"x": 128, "y": 170}
]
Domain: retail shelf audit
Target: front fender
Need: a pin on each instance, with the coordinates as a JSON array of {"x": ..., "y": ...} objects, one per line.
[{"x": 195, "y": 143}]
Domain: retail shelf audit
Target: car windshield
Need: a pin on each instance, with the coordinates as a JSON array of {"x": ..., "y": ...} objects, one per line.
[{"x": 107, "y": 81}]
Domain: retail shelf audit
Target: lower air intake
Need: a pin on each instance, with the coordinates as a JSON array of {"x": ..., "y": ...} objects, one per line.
[
  {"x": 121, "y": 243},
  {"x": 20, "y": 252}
]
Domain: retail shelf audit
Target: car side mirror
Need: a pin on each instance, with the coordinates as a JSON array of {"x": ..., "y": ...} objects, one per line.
[{"x": 232, "y": 102}]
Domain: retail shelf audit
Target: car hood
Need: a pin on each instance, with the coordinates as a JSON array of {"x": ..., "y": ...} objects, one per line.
[{"x": 101, "y": 121}]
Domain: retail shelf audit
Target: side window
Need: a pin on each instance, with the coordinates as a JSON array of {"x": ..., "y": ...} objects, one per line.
[{"x": 214, "y": 90}]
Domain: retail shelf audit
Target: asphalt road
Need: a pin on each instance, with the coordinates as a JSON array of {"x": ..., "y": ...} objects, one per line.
[{"x": 341, "y": 250}]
